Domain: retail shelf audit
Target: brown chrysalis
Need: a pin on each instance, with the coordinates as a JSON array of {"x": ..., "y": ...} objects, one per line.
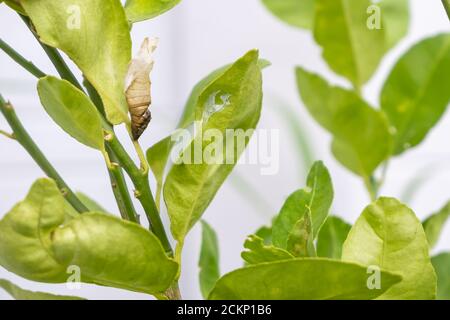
[{"x": 138, "y": 87}]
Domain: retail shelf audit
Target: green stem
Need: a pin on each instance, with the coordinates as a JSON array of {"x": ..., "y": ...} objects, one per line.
[
  {"x": 371, "y": 188},
  {"x": 21, "y": 60},
  {"x": 7, "y": 134},
  {"x": 446, "y": 4},
  {"x": 120, "y": 190},
  {"x": 142, "y": 192},
  {"x": 118, "y": 182},
  {"x": 21, "y": 135},
  {"x": 138, "y": 177}
]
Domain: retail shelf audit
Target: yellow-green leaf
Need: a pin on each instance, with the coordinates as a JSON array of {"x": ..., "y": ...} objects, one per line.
[
  {"x": 389, "y": 236},
  {"x": 209, "y": 260},
  {"x": 298, "y": 13},
  {"x": 435, "y": 223},
  {"x": 332, "y": 237},
  {"x": 258, "y": 252},
  {"x": 350, "y": 47},
  {"x": 72, "y": 110},
  {"x": 300, "y": 279},
  {"x": 315, "y": 199},
  {"x": 413, "y": 98},
  {"x": 139, "y": 10},
  {"x": 362, "y": 140},
  {"x": 95, "y": 35},
  {"x": 441, "y": 264},
  {"x": 190, "y": 187},
  {"x": 39, "y": 243},
  {"x": 21, "y": 294}
]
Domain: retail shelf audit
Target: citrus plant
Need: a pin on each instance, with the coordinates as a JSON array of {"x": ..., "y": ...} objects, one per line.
[{"x": 306, "y": 253}]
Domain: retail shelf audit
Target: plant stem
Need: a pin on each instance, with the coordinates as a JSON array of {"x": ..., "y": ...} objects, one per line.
[
  {"x": 446, "y": 4},
  {"x": 142, "y": 192},
  {"x": 28, "y": 144},
  {"x": 8, "y": 135},
  {"x": 371, "y": 188},
  {"x": 120, "y": 190},
  {"x": 138, "y": 177},
  {"x": 21, "y": 60}
]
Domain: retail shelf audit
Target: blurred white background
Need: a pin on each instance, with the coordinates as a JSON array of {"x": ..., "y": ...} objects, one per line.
[{"x": 195, "y": 38}]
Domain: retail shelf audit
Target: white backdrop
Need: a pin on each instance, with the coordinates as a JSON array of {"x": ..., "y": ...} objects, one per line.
[{"x": 195, "y": 38}]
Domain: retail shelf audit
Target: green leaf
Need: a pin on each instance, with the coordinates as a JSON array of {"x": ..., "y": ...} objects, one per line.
[
  {"x": 265, "y": 233},
  {"x": 20, "y": 294},
  {"x": 39, "y": 243},
  {"x": 209, "y": 260},
  {"x": 435, "y": 223},
  {"x": 190, "y": 187},
  {"x": 91, "y": 204},
  {"x": 300, "y": 279},
  {"x": 257, "y": 252},
  {"x": 414, "y": 99},
  {"x": 294, "y": 12},
  {"x": 331, "y": 238},
  {"x": 395, "y": 16},
  {"x": 15, "y": 5},
  {"x": 95, "y": 35},
  {"x": 315, "y": 199},
  {"x": 158, "y": 154},
  {"x": 441, "y": 264},
  {"x": 350, "y": 48},
  {"x": 72, "y": 111},
  {"x": 300, "y": 240},
  {"x": 388, "y": 235},
  {"x": 140, "y": 10},
  {"x": 361, "y": 134}
]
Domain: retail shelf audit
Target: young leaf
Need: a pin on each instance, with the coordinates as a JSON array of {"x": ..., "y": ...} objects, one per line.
[
  {"x": 140, "y": 10},
  {"x": 209, "y": 260},
  {"x": 361, "y": 134},
  {"x": 158, "y": 154},
  {"x": 414, "y": 99},
  {"x": 395, "y": 16},
  {"x": 20, "y": 294},
  {"x": 101, "y": 27},
  {"x": 300, "y": 279},
  {"x": 435, "y": 223},
  {"x": 350, "y": 47},
  {"x": 265, "y": 233},
  {"x": 190, "y": 187},
  {"x": 441, "y": 264},
  {"x": 294, "y": 12},
  {"x": 72, "y": 111},
  {"x": 258, "y": 252},
  {"x": 389, "y": 236},
  {"x": 38, "y": 243},
  {"x": 331, "y": 238},
  {"x": 300, "y": 241},
  {"x": 315, "y": 199},
  {"x": 91, "y": 204}
]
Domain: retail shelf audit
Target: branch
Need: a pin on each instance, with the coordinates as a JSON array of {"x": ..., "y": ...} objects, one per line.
[
  {"x": 28, "y": 144},
  {"x": 21, "y": 60},
  {"x": 139, "y": 178}
]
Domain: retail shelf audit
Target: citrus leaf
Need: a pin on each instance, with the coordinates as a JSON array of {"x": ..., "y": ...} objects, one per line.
[
  {"x": 388, "y": 235},
  {"x": 95, "y": 35},
  {"x": 209, "y": 260},
  {"x": 300, "y": 279},
  {"x": 72, "y": 110},
  {"x": 414, "y": 99}
]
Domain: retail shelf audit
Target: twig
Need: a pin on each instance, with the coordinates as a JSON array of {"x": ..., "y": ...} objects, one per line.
[{"x": 28, "y": 144}]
